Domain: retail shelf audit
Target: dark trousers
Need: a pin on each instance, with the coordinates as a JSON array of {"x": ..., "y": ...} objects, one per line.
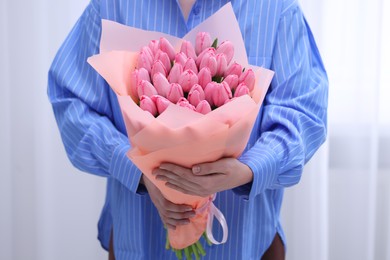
[{"x": 274, "y": 252}]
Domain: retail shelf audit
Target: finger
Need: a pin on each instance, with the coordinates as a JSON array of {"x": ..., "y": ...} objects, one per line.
[
  {"x": 177, "y": 180},
  {"x": 175, "y": 222},
  {"x": 169, "y": 206},
  {"x": 178, "y": 170},
  {"x": 179, "y": 215},
  {"x": 186, "y": 191},
  {"x": 220, "y": 166},
  {"x": 169, "y": 226}
]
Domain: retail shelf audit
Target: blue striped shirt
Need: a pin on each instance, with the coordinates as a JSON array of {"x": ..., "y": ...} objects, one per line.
[{"x": 290, "y": 127}]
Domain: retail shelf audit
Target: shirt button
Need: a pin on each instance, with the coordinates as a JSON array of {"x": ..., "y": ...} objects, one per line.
[{"x": 197, "y": 10}]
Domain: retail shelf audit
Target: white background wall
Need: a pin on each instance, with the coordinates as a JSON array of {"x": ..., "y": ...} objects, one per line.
[{"x": 340, "y": 209}]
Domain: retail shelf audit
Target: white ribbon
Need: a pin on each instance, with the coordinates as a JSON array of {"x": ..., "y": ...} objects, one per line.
[{"x": 214, "y": 212}]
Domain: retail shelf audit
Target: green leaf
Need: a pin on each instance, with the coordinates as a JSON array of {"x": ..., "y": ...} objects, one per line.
[{"x": 215, "y": 43}]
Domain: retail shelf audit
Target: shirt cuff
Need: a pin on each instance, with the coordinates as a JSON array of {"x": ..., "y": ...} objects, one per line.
[
  {"x": 264, "y": 164},
  {"x": 125, "y": 171}
]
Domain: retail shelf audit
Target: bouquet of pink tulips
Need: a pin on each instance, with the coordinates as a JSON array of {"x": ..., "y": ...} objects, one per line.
[
  {"x": 200, "y": 78},
  {"x": 184, "y": 105}
]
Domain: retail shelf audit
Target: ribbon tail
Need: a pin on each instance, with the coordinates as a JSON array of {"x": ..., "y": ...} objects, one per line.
[{"x": 215, "y": 212}]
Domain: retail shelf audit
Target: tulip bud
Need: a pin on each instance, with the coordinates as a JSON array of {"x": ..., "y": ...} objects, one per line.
[
  {"x": 248, "y": 77},
  {"x": 147, "y": 104},
  {"x": 153, "y": 45},
  {"x": 161, "y": 103},
  {"x": 187, "y": 79},
  {"x": 161, "y": 84},
  {"x": 202, "y": 42},
  {"x": 145, "y": 59},
  {"x": 226, "y": 48},
  {"x": 158, "y": 67},
  {"x": 201, "y": 55},
  {"x": 175, "y": 73},
  {"x": 145, "y": 88},
  {"x": 209, "y": 91},
  {"x": 221, "y": 64},
  {"x": 175, "y": 93},
  {"x": 220, "y": 94},
  {"x": 188, "y": 49},
  {"x": 167, "y": 47},
  {"x": 184, "y": 103},
  {"x": 203, "y": 107},
  {"x": 241, "y": 90},
  {"x": 135, "y": 78},
  {"x": 232, "y": 81},
  {"x": 163, "y": 57},
  {"x": 190, "y": 65},
  {"x": 181, "y": 58},
  {"x": 234, "y": 68},
  {"x": 196, "y": 95},
  {"x": 210, "y": 62},
  {"x": 204, "y": 77}
]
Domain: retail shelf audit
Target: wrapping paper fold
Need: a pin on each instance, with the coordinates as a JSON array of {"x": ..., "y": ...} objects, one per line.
[{"x": 179, "y": 135}]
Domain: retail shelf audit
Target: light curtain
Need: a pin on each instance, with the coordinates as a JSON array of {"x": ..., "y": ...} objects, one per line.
[{"x": 339, "y": 210}]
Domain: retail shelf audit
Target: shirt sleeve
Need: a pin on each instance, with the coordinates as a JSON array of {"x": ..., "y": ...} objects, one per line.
[
  {"x": 83, "y": 109},
  {"x": 295, "y": 110}
]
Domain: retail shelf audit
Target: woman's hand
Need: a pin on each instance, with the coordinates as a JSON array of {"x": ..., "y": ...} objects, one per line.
[
  {"x": 206, "y": 178},
  {"x": 171, "y": 214}
]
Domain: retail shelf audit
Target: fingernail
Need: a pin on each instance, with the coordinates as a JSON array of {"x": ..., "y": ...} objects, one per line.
[{"x": 196, "y": 169}]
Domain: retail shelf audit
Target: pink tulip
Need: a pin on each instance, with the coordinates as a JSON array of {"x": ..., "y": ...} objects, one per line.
[
  {"x": 147, "y": 104},
  {"x": 196, "y": 95},
  {"x": 201, "y": 55},
  {"x": 221, "y": 64},
  {"x": 145, "y": 88},
  {"x": 224, "y": 91},
  {"x": 161, "y": 84},
  {"x": 203, "y": 107},
  {"x": 184, "y": 103},
  {"x": 175, "y": 73},
  {"x": 226, "y": 48},
  {"x": 248, "y": 77},
  {"x": 190, "y": 65},
  {"x": 204, "y": 77},
  {"x": 163, "y": 57},
  {"x": 235, "y": 69},
  {"x": 202, "y": 42},
  {"x": 161, "y": 103},
  {"x": 181, "y": 58},
  {"x": 210, "y": 62},
  {"x": 241, "y": 90},
  {"x": 145, "y": 59},
  {"x": 188, "y": 49},
  {"x": 158, "y": 67},
  {"x": 232, "y": 81},
  {"x": 187, "y": 79},
  {"x": 135, "y": 78},
  {"x": 217, "y": 93},
  {"x": 167, "y": 47},
  {"x": 175, "y": 93},
  {"x": 154, "y": 46},
  {"x": 209, "y": 91}
]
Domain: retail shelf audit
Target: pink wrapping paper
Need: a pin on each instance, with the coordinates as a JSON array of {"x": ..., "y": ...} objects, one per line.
[{"x": 179, "y": 135}]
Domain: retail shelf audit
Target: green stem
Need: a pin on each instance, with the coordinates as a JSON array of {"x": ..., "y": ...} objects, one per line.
[
  {"x": 200, "y": 248},
  {"x": 187, "y": 253},
  {"x": 195, "y": 251},
  {"x": 207, "y": 239}
]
